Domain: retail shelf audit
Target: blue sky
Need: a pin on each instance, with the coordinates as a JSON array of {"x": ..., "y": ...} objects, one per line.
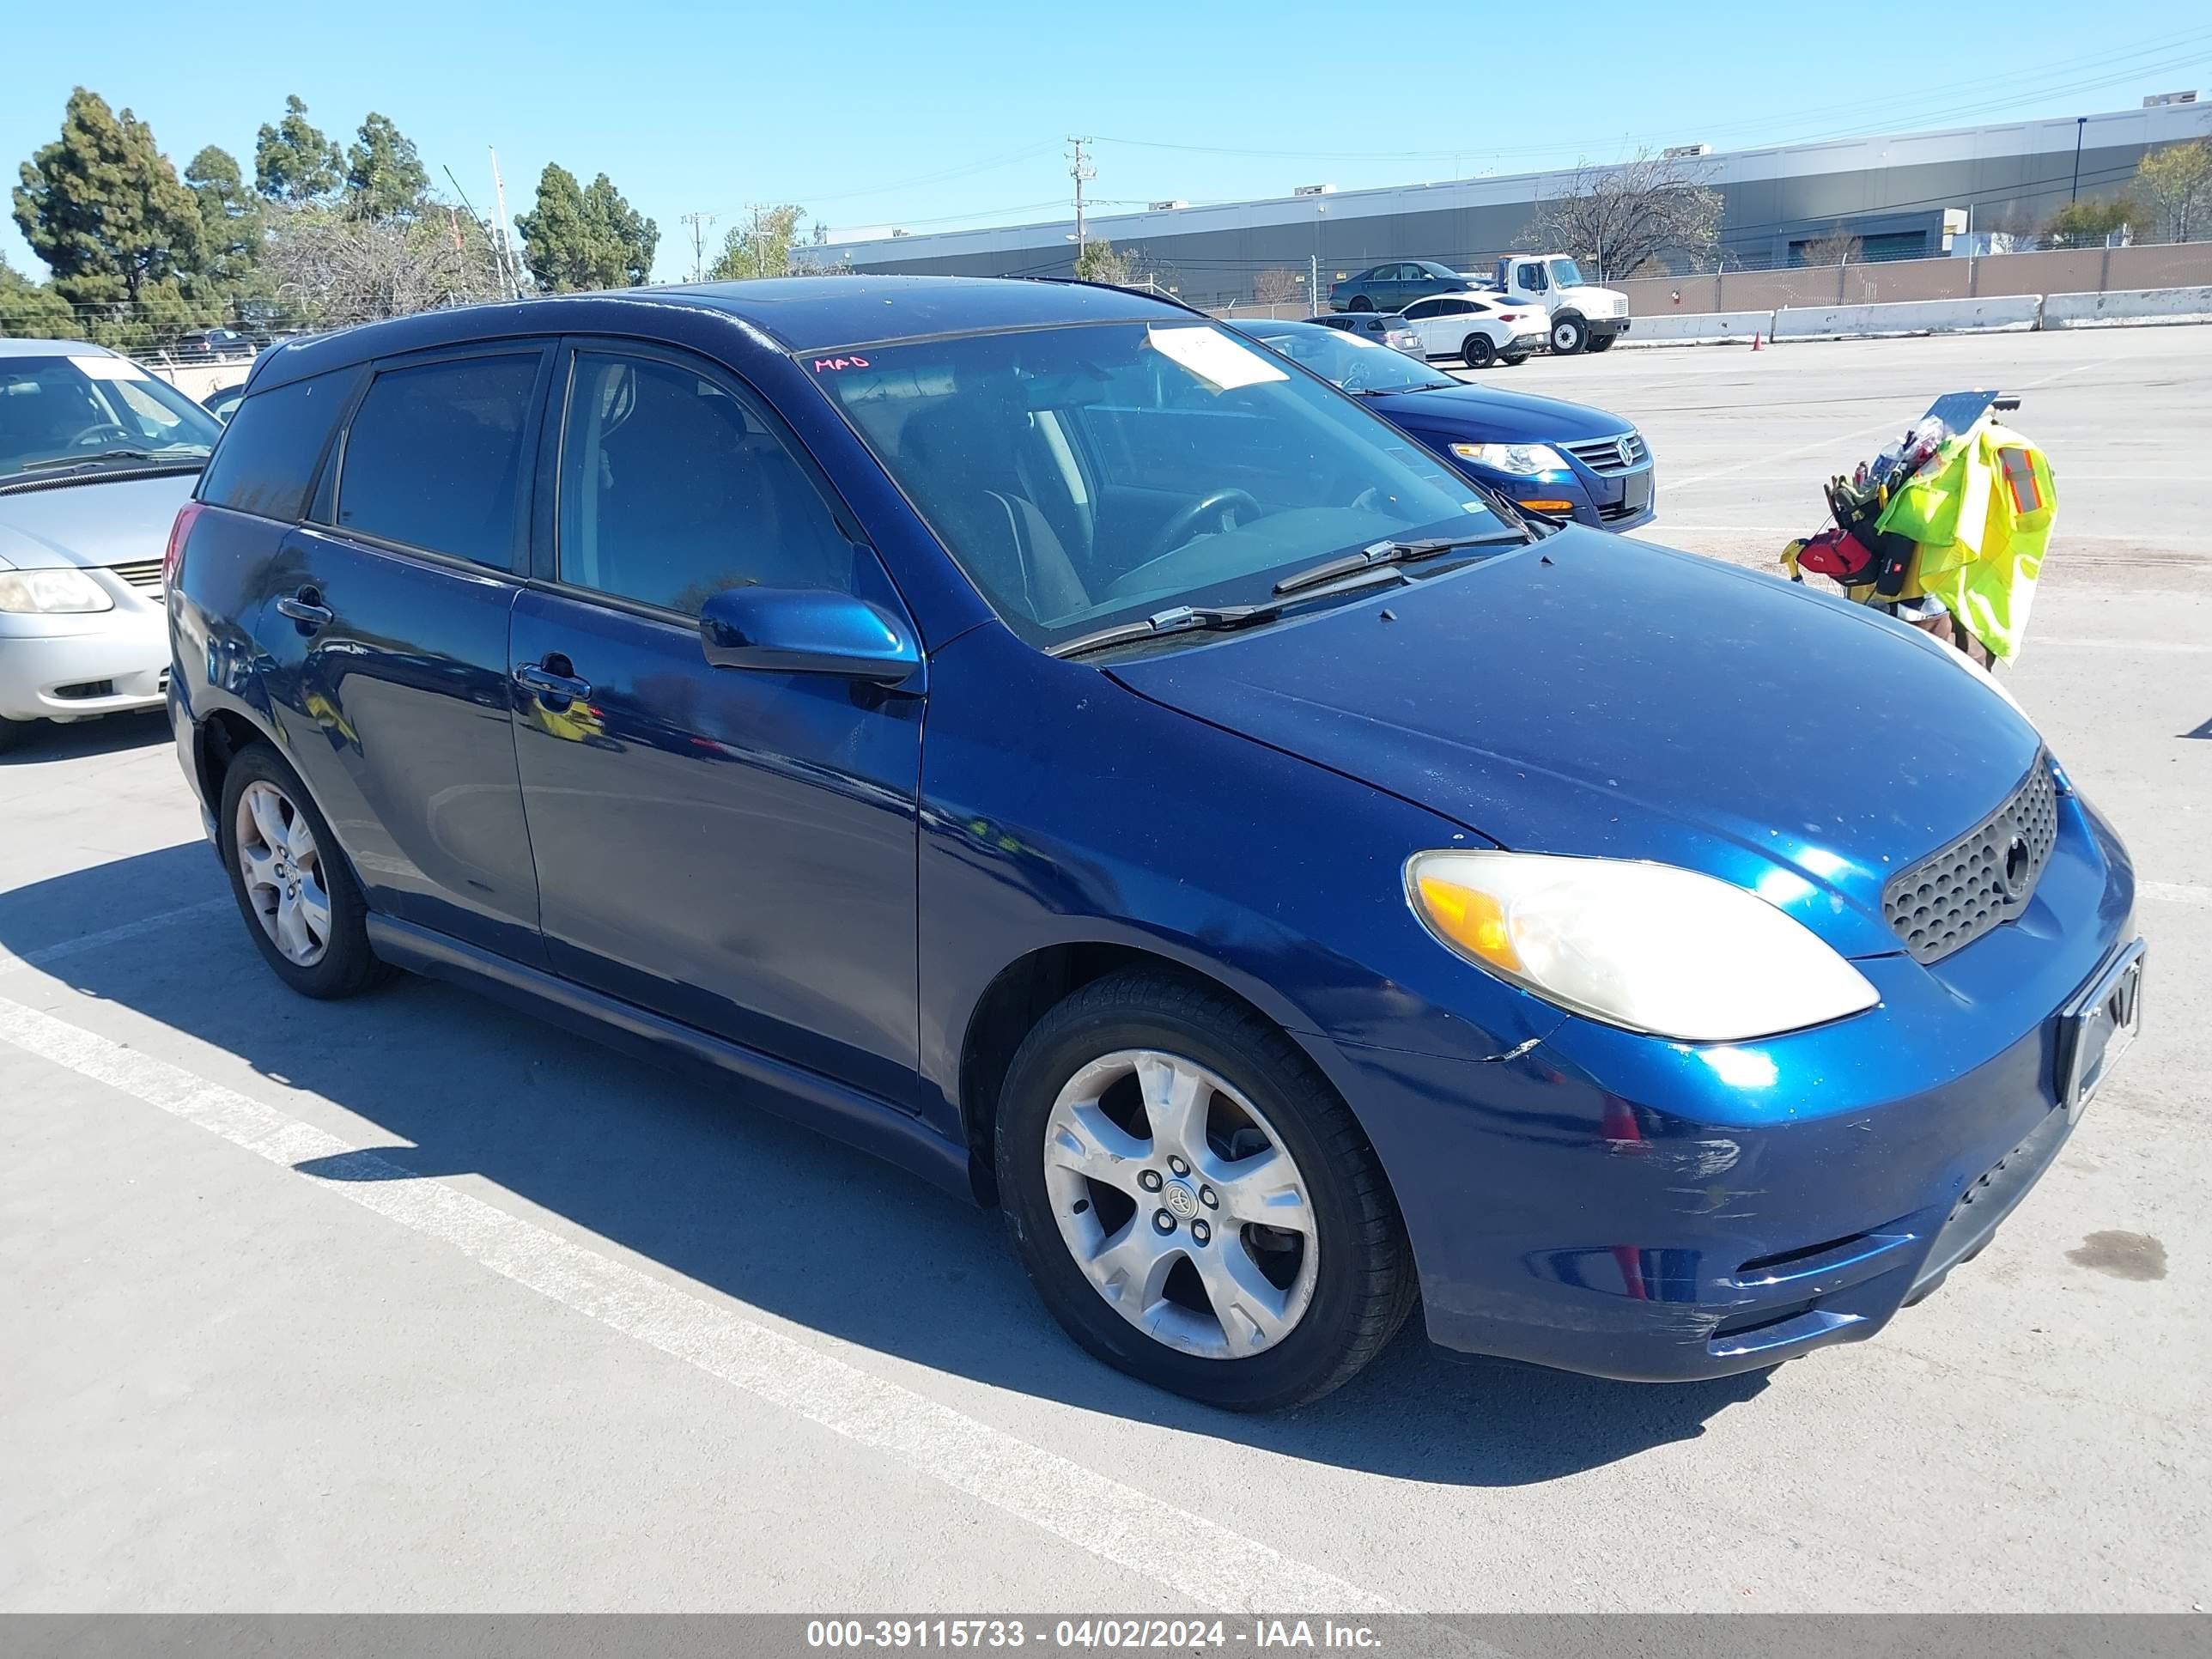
[{"x": 871, "y": 114}]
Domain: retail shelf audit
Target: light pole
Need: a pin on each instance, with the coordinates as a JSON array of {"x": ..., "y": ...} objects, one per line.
[{"x": 2081, "y": 123}]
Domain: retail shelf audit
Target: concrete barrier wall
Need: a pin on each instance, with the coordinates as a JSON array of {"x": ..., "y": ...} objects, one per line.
[
  {"x": 1922, "y": 316},
  {"x": 1689, "y": 329},
  {"x": 2152, "y": 305},
  {"x": 197, "y": 381},
  {"x": 2062, "y": 270}
]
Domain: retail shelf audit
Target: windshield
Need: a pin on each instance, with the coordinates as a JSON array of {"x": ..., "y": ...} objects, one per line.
[
  {"x": 57, "y": 413},
  {"x": 1348, "y": 361},
  {"x": 1565, "y": 273},
  {"x": 1096, "y": 474}
]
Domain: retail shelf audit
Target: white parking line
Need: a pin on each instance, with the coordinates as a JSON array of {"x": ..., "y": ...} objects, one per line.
[
  {"x": 1210, "y": 1564},
  {"x": 2175, "y": 892},
  {"x": 12, "y": 963}
]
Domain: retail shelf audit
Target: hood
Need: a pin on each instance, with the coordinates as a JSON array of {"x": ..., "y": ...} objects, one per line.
[
  {"x": 105, "y": 521},
  {"x": 1506, "y": 417},
  {"x": 1592, "y": 695}
]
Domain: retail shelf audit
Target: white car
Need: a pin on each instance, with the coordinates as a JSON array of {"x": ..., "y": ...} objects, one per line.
[
  {"x": 1478, "y": 329},
  {"x": 96, "y": 456}
]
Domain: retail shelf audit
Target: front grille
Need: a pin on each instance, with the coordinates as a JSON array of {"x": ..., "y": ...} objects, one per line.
[
  {"x": 1954, "y": 896},
  {"x": 145, "y": 574},
  {"x": 1610, "y": 455},
  {"x": 1614, "y": 511}
]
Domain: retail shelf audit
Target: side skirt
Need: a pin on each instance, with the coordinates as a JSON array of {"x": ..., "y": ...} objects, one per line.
[{"x": 805, "y": 1097}]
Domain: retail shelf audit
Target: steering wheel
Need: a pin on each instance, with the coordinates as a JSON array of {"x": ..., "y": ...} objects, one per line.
[
  {"x": 1219, "y": 505},
  {"x": 85, "y": 437}
]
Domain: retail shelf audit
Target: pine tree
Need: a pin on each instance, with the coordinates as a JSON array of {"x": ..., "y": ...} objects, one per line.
[
  {"x": 231, "y": 218},
  {"x": 384, "y": 176},
  {"x": 293, "y": 162}
]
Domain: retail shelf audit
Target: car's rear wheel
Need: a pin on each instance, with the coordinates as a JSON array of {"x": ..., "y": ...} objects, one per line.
[
  {"x": 1569, "y": 334},
  {"x": 1476, "y": 351},
  {"x": 1360, "y": 302},
  {"x": 1602, "y": 341},
  {"x": 292, "y": 885},
  {"x": 1193, "y": 1201}
]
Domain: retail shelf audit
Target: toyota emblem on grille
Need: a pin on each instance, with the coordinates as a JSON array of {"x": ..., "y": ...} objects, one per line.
[{"x": 2016, "y": 866}]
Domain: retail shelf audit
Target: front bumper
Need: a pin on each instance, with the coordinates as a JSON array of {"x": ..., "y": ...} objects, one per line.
[
  {"x": 1626, "y": 1207},
  {"x": 73, "y": 667},
  {"x": 1606, "y": 328}
]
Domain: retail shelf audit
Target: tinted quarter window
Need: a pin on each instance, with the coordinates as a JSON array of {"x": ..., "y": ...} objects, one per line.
[
  {"x": 265, "y": 464},
  {"x": 433, "y": 455},
  {"x": 672, "y": 489}
]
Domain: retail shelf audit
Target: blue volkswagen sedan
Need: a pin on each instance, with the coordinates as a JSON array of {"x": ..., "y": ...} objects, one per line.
[
  {"x": 1566, "y": 459},
  {"x": 1044, "y": 738}
]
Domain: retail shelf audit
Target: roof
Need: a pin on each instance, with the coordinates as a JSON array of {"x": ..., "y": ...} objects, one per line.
[
  {"x": 53, "y": 349},
  {"x": 791, "y": 313}
]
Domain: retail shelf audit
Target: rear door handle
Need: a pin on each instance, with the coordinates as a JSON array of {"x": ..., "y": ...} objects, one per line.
[
  {"x": 306, "y": 607},
  {"x": 555, "y": 680}
]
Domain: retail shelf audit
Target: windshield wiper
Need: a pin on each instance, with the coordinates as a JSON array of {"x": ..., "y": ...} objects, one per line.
[
  {"x": 1384, "y": 553},
  {"x": 1208, "y": 619},
  {"x": 180, "y": 453}
]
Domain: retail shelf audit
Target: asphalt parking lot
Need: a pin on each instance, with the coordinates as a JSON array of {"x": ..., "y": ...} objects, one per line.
[{"x": 412, "y": 1304}]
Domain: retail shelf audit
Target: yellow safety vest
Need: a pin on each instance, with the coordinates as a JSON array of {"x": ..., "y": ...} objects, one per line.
[{"x": 1982, "y": 512}]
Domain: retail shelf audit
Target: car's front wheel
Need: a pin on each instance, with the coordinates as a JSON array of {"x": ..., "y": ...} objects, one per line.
[
  {"x": 1570, "y": 334},
  {"x": 1477, "y": 351},
  {"x": 1193, "y": 1200},
  {"x": 291, "y": 884}
]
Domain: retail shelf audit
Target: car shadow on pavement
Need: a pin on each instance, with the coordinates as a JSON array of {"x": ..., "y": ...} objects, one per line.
[
  {"x": 110, "y": 734},
  {"x": 660, "y": 1164}
]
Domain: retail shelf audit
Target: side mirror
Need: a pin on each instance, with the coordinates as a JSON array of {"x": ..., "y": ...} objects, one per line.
[{"x": 805, "y": 630}]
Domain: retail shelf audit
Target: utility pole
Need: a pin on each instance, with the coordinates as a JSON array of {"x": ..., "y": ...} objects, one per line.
[
  {"x": 1313, "y": 289},
  {"x": 699, "y": 222},
  {"x": 508, "y": 265},
  {"x": 1079, "y": 169},
  {"x": 2080, "y": 125}
]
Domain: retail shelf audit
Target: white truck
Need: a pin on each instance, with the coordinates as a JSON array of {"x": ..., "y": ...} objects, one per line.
[{"x": 1583, "y": 318}]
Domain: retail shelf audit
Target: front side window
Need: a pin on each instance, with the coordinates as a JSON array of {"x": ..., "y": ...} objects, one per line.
[
  {"x": 1090, "y": 475},
  {"x": 433, "y": 456},
  {"x": 61, "y": 412},
  {"x": 672, "y": 489},
  {"x": 1565, "y": 273}
]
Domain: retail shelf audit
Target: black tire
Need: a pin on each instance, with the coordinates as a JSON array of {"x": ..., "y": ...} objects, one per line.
[
  {"x": 1570, "y": 334},
  {"x": 348, "y": 965},
  {"x": 1360, "y": 302},
  {"x": 1602, "y": 341},
  {"x": 1478, "y": 351},
  {"x": 1363, "y": 1284},
  {"x": 1515, "y": 361},
  {"x": 13, "y": 732}
]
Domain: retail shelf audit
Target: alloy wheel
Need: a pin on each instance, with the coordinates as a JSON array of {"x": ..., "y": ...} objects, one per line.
[
  {"x": 283, "y": 872},
  {"x": 1181, "y": 1204}
]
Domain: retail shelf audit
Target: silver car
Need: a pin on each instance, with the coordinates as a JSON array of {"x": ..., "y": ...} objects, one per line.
[{"x": 96, "y": 456}]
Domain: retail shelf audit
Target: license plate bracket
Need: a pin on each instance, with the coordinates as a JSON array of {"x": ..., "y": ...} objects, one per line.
[{"x": 2097, "y": 1026}]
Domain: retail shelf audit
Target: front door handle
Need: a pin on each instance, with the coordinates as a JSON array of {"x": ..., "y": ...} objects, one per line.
[
  {"x": 553, "y": 680},
  {"x": 306, "y": 607}
]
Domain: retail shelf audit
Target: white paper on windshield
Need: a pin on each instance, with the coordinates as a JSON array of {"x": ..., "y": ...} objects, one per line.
[
  {"x": 110, "y": 368},
  {"x": 1214, "y": 357}
]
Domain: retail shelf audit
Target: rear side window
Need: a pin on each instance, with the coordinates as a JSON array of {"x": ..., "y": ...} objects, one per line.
[
  {"x": 433, "y": 454},
  {"x": 266, "y": 463}
]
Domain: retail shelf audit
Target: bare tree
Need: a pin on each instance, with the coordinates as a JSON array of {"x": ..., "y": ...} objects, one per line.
[
  {"x": 1838, "y": 247},
  {"x": 1278, "y": 287},
  {"x": 327, "y": 268},
  {"x": 1613, "y": 219},
  {"x": 2177, "y": 182}
]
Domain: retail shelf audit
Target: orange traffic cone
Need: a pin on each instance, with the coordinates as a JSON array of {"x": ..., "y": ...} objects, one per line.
[{"x": 1754, "y": 342}]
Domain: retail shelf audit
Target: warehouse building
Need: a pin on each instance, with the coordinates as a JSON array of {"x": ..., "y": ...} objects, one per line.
[{"x": 1902, "y": 197}]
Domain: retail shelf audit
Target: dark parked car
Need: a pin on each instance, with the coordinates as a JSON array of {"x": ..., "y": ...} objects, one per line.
[
  {"x": 1385, "y": 328},
  {"x": 1044, "y": 737},
  {"x": 1567, "y": 459},
  {"x": 1393, "y": 287}
]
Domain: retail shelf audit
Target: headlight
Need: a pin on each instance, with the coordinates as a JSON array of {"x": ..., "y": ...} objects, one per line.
[
  {"x": 51, "y": 592},
  {"x": 1526, "y": 459},
  {"x": 1649, "y": 947}
]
